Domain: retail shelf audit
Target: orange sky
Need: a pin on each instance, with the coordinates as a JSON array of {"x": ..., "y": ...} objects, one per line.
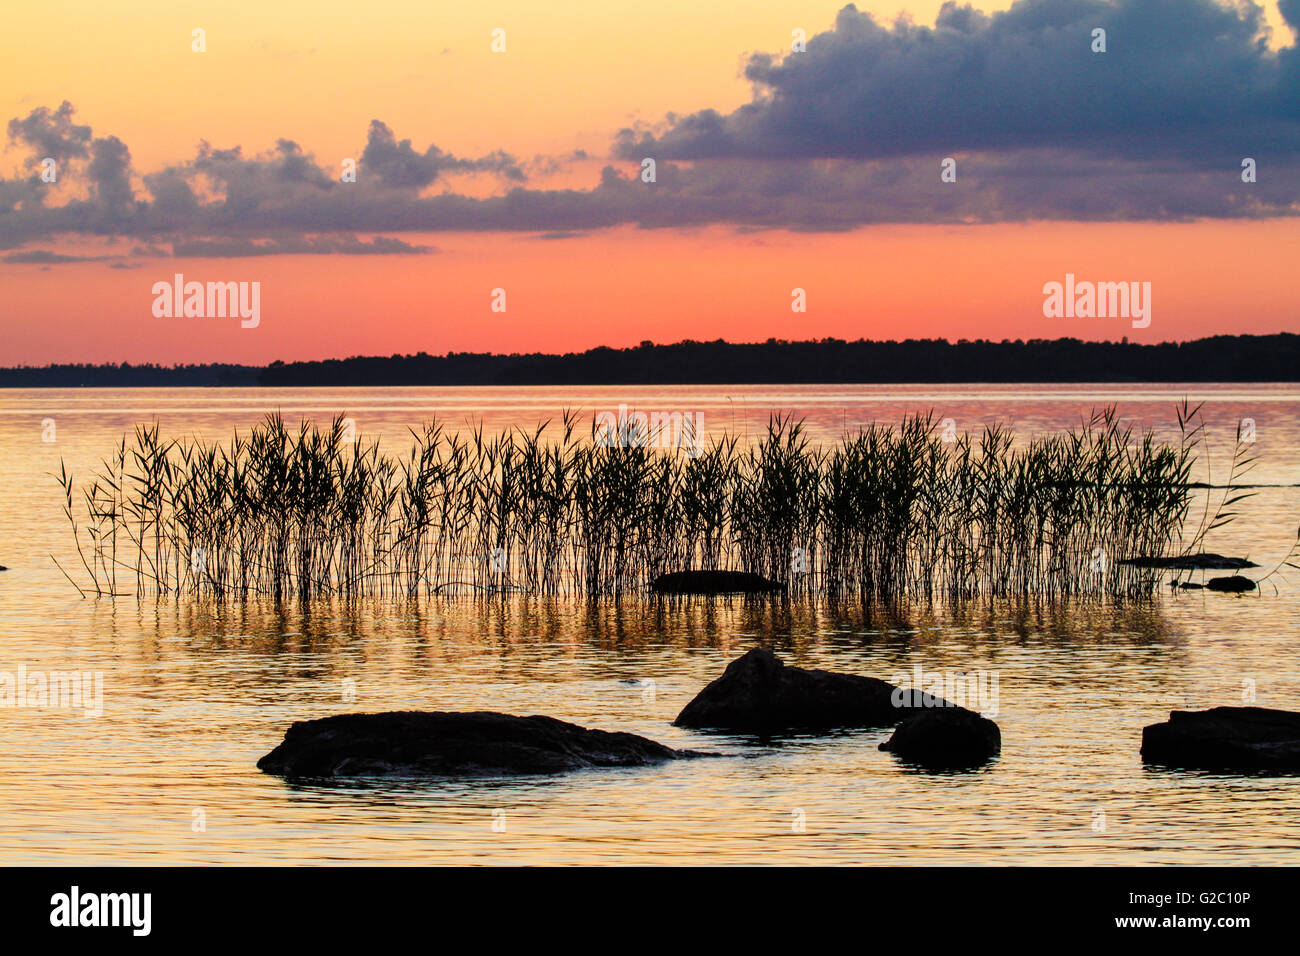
[
  {"x": 622, "y": 286},
  {"x": 319, "y": 74}
]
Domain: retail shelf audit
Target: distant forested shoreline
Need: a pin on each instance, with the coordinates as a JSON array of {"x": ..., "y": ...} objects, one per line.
[{"x": 1222, "y": 358}]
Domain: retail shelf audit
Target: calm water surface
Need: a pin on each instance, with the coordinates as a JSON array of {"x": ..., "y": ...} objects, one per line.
[{"x": 194, "y": 693}]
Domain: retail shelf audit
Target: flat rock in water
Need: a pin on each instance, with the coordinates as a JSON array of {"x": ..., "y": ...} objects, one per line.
[
  {"x": 758, "y": 694},
  {"x": 1225, "y": 738},
  {"x": 1192, "y": 562},
  {"x": 1235, "y": 584},
  {"x": 438, "y": 744},
  {"x": 714, "y": 582},
  {"x": 946, "y": 739}
]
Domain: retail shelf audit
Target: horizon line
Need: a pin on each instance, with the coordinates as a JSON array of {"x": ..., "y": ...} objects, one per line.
[{"x": 647, "y": 345}]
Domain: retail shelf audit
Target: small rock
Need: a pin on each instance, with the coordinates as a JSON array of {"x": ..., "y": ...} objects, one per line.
[
  {"x": 1234, "y": 584},
  {"x": 714, "y": 582},
  {"x": 946, "y": 739},
  {"x": 1225, "y": 738},
  {"x": 1191, "y": 562},
  {"x": 477, "y": 744}
]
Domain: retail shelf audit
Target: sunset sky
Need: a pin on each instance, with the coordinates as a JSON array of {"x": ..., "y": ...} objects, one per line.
[{"x": 520, "y": 170}]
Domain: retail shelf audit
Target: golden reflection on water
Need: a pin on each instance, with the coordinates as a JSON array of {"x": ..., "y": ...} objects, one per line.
[{"x": 195, "y": 693}]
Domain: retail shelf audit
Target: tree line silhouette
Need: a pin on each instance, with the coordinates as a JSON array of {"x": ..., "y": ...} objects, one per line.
[{"x": 1222, "y": 358}]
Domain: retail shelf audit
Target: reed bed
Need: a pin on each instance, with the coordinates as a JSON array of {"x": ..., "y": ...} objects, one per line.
[{"x": 892, "y": 510}]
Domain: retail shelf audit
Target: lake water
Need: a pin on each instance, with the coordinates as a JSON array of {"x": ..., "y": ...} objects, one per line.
[{"x": 195, "y": 693}]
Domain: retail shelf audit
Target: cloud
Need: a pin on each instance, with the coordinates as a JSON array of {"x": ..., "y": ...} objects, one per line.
[
  {"x": 398, "y": 165},
  {"x": 847, "y": 134},
  {"x": 52, "y": 134},
  {"x": 45, "y": 257},
  {"x": 1179, "y": 78},
  {"x": 110, "y": 174},
  {"x": 305, "y": 245},
  {"x": 550, "y": 165}
]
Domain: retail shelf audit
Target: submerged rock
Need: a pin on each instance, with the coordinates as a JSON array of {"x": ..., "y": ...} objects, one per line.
[
  {"x": 1235, "y": 584},
  {"x": 477, "y": 744},
  {"x": 946, "y": 739},
  {"x": 714, "y": 582},
  {"x": 759, "y": 694},
  {"x": 1225, "y": 738},
  {"x": 1205, "y": 561}
]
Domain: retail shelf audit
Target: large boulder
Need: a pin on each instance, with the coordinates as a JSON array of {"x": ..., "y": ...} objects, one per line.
[
  {"x": 1225, "y": 738},
  {"x": 714, "y": 582},
  {"x": 951, "y": 738},
  {"x": 759, "y": 694},
  {"x": 478, "y": 744}
]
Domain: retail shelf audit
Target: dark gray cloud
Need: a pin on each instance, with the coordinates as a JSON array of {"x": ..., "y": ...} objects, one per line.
[
  {"x": 847, "y": 134},
  {"x": 45, "y": 257},
  {"x": 246, "y": 217},
  {"x": 51, "y": 133},
  {"x": 398, "y": 164},
  {"x": 1179, "y": 78},
  {"x": 550, "y": 165},
  {"x": 110, "y": 175},
  {"x": 297, "y": 245}
]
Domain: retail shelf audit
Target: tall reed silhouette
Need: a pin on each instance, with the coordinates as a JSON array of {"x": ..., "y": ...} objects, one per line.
[{"x": 887, "y": 511}]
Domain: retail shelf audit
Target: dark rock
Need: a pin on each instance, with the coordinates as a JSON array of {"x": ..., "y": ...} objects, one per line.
[
  {"x": 1191, "y": 562},
  {"x": 1225, "y": 738},
  {"x": 1189, "y": 586},
  {"x": 416, "y": 743},
  {"x": 714, "y": 582},
  {"x": 946, "y": 739},
  {"x": 1234, "y": 584},
  {"x": 758, "y": 694},
  {"x": 3, "y": 568}
]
